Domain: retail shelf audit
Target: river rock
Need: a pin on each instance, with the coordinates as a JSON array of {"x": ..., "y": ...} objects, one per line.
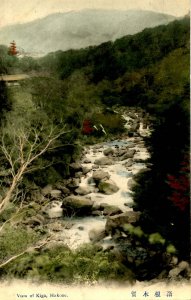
[
  {"x": 103, "y": 161},
  {"x": 128, "y": 154},
  {"x": 83, "y": 190},
  {"x": 77, "y": 205},
  {"x": 96, "y": 213},
  {"x": 65, "y": 191},
  {"x": 54, "y": 209},
  {"x": 135, "y": 126},
  {"x": 46, "y": 190},
  {"x": 76, "y": 166},
  {"x": 96, "y": 206},
  {"x": 95, "y": 167},
  {"x": 55, "y": 194},
  {"x": 61, "y": 185},
  {"x": 183, "y": 266},
  {"x": 100, "y": 175},
  {"x": 131, "y": 145},
  {"x": 121, "y": 152},
  {"x": 86, "y": 170},
  {"x": 91, "y": 181},
  {"x": 111, "y": 210},
  {"x": 131, "y": 184},
  {"x": 108, "y": 187},
  {"x": 118, "y": 221},
  {"x": 96, "y": 235},
  {"x": 78, "y": 174},
  {"x": 98, "y": 146},
  {"x": 108, "y": 151},
  {"x": 86, "y": 161},
  {"x": 129, "y": 163},
  {"x": 74, "y": 183}
]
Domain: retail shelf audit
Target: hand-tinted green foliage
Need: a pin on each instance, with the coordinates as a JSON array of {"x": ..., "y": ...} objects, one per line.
[
  {"x": 87, "y": 264},
  {"x": 15, "y": 240},
  {"x": 8, "y": 63},
  {"x": 149, "y": 69},
  {"x": 149, "y": 46},
  {"x": 47, "y": 95},
  {"x": 12, "y": 64},
  {"x": 104, "y": 61},
  {"x": 112, "y": 59},
  {"x": 64, "y": 63},
  {"x": 5, "y": 100},
  {"x": 168, "y": 145},
  {"x": 112, "y": 123},
  {"x": 27, "y": 64}
]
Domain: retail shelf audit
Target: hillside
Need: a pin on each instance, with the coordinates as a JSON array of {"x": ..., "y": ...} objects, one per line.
[
  {"x": 75, "y": 30},
  {"x": 106, "y": 123},
  {"x": 111, "y": 60}
]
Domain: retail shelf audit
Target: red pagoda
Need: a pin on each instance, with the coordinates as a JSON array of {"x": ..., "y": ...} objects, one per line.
[{"x": 13, "y": 49}]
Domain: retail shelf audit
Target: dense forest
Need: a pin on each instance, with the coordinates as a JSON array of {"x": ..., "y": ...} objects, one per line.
[{"x": 149, "y": 70}]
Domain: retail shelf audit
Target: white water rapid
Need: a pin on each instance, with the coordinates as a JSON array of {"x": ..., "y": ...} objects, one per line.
[{"x": 119, "y": 174}]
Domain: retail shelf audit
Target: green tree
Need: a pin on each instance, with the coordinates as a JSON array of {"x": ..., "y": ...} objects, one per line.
[{"x": 5, "y": 100}]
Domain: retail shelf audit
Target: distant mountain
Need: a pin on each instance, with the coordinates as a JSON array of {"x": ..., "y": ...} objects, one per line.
[{"x": 63, "y": 31}]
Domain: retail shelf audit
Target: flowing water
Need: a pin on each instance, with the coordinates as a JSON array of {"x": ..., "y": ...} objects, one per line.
[{"x": 119, "y": 174}]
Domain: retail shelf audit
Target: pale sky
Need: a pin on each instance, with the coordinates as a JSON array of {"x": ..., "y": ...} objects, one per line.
[{"x": 21, "y": 11}]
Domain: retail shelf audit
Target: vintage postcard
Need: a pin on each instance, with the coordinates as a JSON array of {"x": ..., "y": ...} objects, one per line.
[{"x": 94, "y": 149}]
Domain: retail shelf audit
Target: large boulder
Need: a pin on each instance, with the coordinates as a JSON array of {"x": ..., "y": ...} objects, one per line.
[
  {"x": 108, "y": 187},
  {"x": 86, "y": 170},
  {"x": 183, "y": 266},
  {"x": 76, "y": 167},
  {"x": 100, "y": 175},
  {"x": 83, "y": 190},
  {"x": 96, "y": 235},
  {"x": 117, "y": 222},
  {"x": 111, "y": 210},
  {"x": 60, "y": 185},
  {"x": 103, "y": 161},
  {"x": 77, "y": 205},
  {"x": 108, "y": 151},
  {"x": 121, "y": 152}
]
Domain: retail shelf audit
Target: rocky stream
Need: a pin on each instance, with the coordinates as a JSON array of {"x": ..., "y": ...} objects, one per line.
[
  {"x": 99, "y": 194},
  {"x": 95, "y": 204}
]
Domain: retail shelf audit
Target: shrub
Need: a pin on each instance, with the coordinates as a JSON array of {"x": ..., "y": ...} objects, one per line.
[
  {"x": 112, "y": 123},
  {"x": 15, "y": 240},
  {"x": 60, "y": 264}
]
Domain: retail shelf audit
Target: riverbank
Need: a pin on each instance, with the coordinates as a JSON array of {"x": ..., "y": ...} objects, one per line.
[{"x": 86, "y": 225}]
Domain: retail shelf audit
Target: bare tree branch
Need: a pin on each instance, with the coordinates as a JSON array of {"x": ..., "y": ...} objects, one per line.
[
  {"x": 27, "y": 150},
  {"x": 29, "y": 249}
]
